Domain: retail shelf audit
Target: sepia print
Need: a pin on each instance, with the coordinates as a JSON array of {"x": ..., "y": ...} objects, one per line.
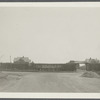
[{"x": 50, "y": 49}]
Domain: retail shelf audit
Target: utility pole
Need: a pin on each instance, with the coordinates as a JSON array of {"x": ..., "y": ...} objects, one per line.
[
  {"x": 10, "y": 59},
  {"x": 1, "y": 62}
]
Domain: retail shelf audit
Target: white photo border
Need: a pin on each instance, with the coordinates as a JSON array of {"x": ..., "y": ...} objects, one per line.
[{"x": 50, "y": 95}]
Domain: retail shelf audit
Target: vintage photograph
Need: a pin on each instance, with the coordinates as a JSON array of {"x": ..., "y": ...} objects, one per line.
[{"x": 50, "y": 49}]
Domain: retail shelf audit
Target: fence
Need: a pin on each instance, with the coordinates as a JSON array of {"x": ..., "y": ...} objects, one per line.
[
  {"x": 92, "y": 67},
  {"x": 38, "y": 67}
]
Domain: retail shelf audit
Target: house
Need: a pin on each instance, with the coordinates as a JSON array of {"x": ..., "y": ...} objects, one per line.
[
  {"x": 93, "y": 61},
  {"x": 22, "y": 60}
]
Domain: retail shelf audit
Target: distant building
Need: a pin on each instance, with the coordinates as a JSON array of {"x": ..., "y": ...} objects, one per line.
[
  {"x": 71, "y": 61},
  {"x": 90, "y": 60},
  {"x": 22, "y": 60}
]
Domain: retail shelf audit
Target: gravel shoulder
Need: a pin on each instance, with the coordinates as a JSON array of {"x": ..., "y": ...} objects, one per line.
[{"x": 49, "y": 82}]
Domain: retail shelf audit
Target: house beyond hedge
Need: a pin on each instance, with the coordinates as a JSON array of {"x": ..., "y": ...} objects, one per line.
[{"x": 22, "y": 60}]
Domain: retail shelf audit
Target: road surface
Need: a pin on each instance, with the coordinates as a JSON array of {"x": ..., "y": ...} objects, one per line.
[{"x": 50, "y": 82}]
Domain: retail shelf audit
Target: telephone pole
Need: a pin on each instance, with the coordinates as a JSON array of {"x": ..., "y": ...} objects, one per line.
[{"x": 10, "y": 59}]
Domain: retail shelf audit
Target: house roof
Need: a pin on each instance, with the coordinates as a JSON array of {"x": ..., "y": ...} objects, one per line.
[{"x": 26, "y": 59}]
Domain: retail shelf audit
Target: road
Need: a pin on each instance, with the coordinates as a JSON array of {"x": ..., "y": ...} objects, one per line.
[{"x": 53, "y": 82}]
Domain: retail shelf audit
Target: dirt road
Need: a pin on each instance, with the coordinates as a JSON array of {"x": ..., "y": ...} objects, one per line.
[{"x": 52, "y": 82}]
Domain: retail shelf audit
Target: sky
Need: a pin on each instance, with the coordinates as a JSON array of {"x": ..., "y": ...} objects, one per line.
[{"x": 49, "y": 34}]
